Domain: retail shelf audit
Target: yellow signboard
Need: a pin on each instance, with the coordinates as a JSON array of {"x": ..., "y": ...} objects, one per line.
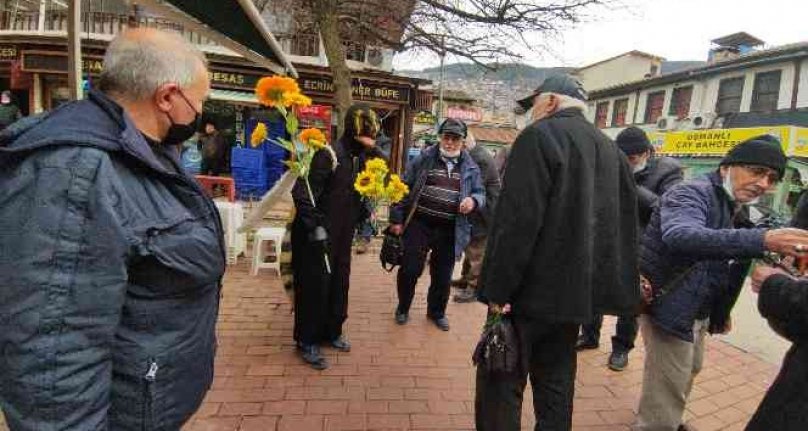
[
  {"x": 800, "y": 142},
  {"x": 715, "y": 142}
]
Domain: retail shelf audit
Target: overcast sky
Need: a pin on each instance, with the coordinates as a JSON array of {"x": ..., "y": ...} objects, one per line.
[{"x": 674, "y": 29}]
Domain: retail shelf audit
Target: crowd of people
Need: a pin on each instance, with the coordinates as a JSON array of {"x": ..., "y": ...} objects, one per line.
[{"x": 113, "y": 257}]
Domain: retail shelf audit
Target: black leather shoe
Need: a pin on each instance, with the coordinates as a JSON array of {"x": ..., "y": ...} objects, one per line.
[
  {"x": 465, "y": 296},
  {"x": 441, "y": 322},
  {"x": 311, "y": 355},
  {"x": 341, "y": 344},
  {"x": 618, "y": 361},
  {"x": 402, "y": 318},
  {"x": 585, "y": 343}
]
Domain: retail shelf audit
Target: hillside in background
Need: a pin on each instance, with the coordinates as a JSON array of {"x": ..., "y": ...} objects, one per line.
[{"x": 496, "y": 89}]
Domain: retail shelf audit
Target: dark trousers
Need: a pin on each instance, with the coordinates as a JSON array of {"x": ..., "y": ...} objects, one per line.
[
  {"x": 547, "y": 352},
  {"x": 623, "y": 340},
  {"x": 419, "y": 239}
]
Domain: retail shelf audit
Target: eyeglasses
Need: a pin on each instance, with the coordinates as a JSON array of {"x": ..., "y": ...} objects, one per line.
[{"x": 759, "y": 172}]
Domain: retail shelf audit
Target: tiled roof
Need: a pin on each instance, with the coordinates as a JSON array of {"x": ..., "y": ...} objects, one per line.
[{"x": 501, "y": 135}]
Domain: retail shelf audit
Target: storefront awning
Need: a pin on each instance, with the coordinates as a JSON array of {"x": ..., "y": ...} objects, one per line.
[
  {"x": 235, "y": 24},
  {"x": 233, "y": 96}
]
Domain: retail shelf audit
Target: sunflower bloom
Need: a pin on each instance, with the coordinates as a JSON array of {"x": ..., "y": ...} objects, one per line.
[
  {"x": 270, "y": 90},
  {"x": 259, "y": 134},
  {"x": 377, "y": 166},
  {"x": 364, "y": 183},
  {"x": 396, "y": 189},
  {"x": 313, "y": 138},
  {"x": 296, "y": 99}
]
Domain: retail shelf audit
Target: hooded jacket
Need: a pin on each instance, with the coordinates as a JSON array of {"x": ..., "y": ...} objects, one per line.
[
  {"x": 563, "y": 244},
  {"x": 112, "y": 268}
]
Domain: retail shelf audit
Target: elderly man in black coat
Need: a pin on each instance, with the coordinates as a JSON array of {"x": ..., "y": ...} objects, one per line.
[
  {"x": 654, "y": 176},
  {"x": 562, "y": 247}
]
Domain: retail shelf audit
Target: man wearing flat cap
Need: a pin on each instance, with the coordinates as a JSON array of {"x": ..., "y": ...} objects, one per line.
[
  {"x": 654, "y": 176},
  {"x": 445, "y": 188},
  {"x": 694, "y": 257},
  {"x": 562, "y": 247}
]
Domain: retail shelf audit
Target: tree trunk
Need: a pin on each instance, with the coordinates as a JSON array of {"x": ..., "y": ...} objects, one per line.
[{"x": 325, "y": 15}]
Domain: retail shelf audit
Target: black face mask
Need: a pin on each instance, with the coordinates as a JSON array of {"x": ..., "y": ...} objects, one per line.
[{"x": 179, "y": 133}]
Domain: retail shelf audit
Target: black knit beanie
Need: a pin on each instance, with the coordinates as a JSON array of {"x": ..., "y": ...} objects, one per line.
[
  {"x": 633, "y": 140},
  {"x": 764, "y": 150}
]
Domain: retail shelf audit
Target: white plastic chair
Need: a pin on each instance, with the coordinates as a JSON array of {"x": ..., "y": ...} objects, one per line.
[{"x": 274, "y": 234}]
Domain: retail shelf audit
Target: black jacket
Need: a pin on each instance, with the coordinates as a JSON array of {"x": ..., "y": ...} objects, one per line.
[
  {"x": 111, "y": 268},
  {"x": 563, "y": 244},
  {"x": 784, "y": 302},
  {"x": 491, "y": 181},
  {"x": 653, "y": 181},
  {"x": 800, "y": 219}
]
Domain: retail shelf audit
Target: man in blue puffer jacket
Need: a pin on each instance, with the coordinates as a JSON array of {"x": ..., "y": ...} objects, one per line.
[
  {"x": 111, "y": 255},
  {"x": 694, "y": 257}
]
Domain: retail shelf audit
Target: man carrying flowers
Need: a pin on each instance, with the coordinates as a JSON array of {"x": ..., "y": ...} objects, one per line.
[
  {"x": 328, "y": 210},
  {"x": 446, "y": 187}
]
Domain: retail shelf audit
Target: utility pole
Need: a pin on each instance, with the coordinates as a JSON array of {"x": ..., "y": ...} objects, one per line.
[
  {"x": 439, "y": 114},
  {"x": 74, "y": 49}
]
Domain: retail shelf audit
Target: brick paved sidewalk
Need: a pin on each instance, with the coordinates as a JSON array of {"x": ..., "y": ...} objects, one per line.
[{"x": 417, "y": 377}]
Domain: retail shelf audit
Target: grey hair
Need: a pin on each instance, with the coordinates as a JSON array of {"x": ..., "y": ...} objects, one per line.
[
  {"x": 567, "y": 102},
  {"x": 138, "y": 62}
]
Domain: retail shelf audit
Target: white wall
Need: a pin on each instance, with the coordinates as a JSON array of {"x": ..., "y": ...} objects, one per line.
[
  {"x": 705, "y": 92},
  {"x": 620, "y": 70},
  {"x": 802, "y": 96}
]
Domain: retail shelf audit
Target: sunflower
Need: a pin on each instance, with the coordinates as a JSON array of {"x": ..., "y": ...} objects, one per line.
[
  {"x": 396, "y": 189},
  {"x": 259, "y": 134},
  {"x": 377, "y": 166},
  {"x": 364, "y": 183},
  {"x": 313, "y": 138},
  {"x": 270, "y": 90},
  {"x": 296, "y": 99}
]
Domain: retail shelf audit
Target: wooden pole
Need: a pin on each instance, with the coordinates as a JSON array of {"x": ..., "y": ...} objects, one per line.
[{"x": 74, "y": 49}]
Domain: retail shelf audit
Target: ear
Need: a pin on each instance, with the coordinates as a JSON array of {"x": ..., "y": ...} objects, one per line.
[
  {"x": 163, "y": 96},
  {"x": 553, "y": 103},
  {"x": 723, "y": 170}
]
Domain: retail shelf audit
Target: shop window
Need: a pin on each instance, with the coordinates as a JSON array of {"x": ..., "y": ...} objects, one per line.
[
  {"x": 653, "y": 107},
  {"x": 730, "y": 91},
  {"x": 619, "y": 113},
  {"x": 601, "y": 112},
  {"x": 767, "y": 91},
  {"x": 680, "y": 102}
]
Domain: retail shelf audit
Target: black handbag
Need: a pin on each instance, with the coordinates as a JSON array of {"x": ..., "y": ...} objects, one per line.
[{"x": 497, "y": 352}]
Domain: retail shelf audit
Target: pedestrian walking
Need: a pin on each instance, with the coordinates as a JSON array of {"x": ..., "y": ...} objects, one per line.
[
  {"x": 561, "y": 248},
  {"x": 446, "y": 188},
  {"x": 475, "y": 250}
]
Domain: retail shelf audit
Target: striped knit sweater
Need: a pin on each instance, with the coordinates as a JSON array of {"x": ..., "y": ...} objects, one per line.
[{"x": 440, "y": 198}]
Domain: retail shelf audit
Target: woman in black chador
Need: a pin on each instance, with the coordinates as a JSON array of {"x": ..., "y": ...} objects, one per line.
[{"x": 327, "y": 228}]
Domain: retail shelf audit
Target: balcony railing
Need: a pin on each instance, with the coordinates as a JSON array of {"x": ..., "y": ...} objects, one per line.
[
  {"x": 93, "y": 23},
  {"x": 308, "y": 45}
]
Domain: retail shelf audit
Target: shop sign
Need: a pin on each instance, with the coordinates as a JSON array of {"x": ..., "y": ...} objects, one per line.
[
  {"x": 8, "y": 52},
  {"x": 57, "y": 63},
  {"x": 317, "y": 116},
  {"x": 715, "y": 142},
  {"x": 232, "y": 79},
  {"x": 360, "y": 90},
  {"x": 465, "y": 114},
  {"x": 424, "y": 117}
]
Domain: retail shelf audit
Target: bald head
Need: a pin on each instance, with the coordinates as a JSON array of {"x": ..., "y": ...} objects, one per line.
[{"x": 139, "y": 61}]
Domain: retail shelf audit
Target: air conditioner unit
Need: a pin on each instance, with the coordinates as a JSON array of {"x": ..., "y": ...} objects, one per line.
[
  {"x": 703, "y": 120},
  {"x": 666, "y": 123}
]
